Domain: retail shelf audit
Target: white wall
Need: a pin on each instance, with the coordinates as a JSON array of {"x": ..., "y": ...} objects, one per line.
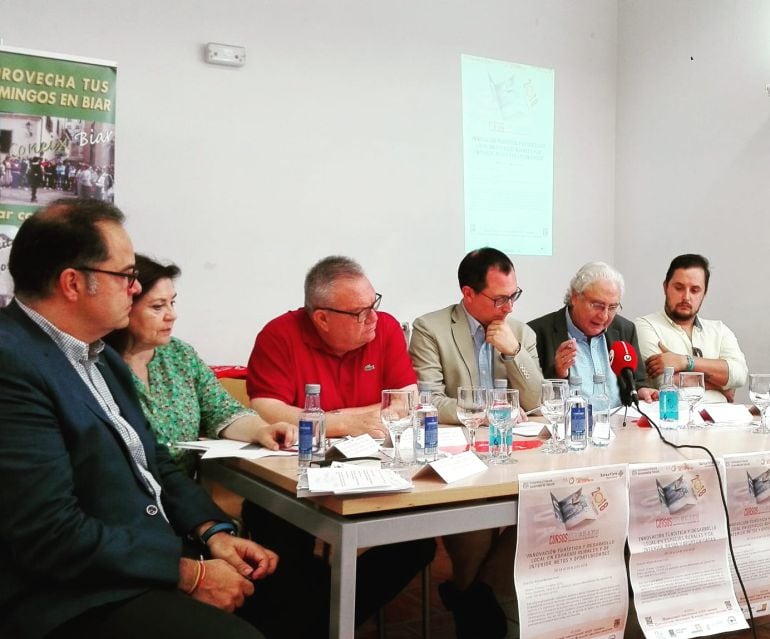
[
  {"x": 693, "y": 145},
  {"x": 342, "y": 134}
]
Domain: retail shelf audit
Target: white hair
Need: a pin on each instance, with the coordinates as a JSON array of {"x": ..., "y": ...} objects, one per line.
[{"x": 590, "y": 274}]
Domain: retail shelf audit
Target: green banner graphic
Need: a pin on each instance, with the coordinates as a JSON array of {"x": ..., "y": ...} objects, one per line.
[{"x": 57, "y": 137}]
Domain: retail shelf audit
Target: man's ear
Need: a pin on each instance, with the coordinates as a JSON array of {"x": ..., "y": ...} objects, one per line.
[
  {"x": 468, "y": 293},
  {"x": 71, "y": 284},
  {"x": 320, "y": 319}
]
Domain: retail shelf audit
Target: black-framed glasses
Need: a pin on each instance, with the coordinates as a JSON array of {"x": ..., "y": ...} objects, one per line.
[
  {"x": 362, "y": 315},
  {"x": 502, "y": 300},
  {"x": 131, "y": 276}
]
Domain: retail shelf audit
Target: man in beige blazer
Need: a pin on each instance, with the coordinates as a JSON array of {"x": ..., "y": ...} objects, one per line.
[
  {"x": 473, "y": 343},
  {"x": 446, "y": 352}
]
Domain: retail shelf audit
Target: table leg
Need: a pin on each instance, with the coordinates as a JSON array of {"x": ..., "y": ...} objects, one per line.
[{"x": 342, "y": 602}]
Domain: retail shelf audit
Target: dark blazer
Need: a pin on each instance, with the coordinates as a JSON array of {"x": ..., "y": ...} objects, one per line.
[
  {"x": 78, "y": 527},
  {"x": 551, "y": 330}
]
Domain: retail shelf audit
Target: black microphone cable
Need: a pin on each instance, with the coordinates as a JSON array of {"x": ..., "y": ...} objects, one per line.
[{"x": 724, "y": 507}]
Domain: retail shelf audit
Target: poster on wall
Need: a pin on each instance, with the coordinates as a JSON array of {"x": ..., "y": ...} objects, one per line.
[{"x": 57, "y": 137}]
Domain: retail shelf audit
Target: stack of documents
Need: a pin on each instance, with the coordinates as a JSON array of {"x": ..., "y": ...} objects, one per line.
[{"x": 344, "y": 479}]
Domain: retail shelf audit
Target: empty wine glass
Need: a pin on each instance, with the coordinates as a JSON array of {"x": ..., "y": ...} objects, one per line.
[
  {"x": 759, "y": 394},
  {"x": 503, "y": 414},
  {"x": 553, "y": 395},
  {"x": 692, "y": 388},
  {"x": 471, "y": 409},
  {"x": 396, "y": 413}
]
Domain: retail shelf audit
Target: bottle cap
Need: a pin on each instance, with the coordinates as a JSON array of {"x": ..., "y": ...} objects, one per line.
[
  {"x": 668, "y": 370},
  {"x": 598, "y": 378},
  {"x": 424, "y": 387},
  {"x": 312, "y": 389},
  {"x": 501, "y": 383}
]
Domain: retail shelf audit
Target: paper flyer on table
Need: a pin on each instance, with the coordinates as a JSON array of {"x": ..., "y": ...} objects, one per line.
[
  {"x": 679, "y": 556},
  {"x": 219, "y": 448},
  {"x": 748, "y": 500},
  {"x": 570, "y": 571}
]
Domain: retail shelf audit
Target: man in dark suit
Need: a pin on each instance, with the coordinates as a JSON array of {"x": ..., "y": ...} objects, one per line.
[
  {"x": 565, "y": 338},
  {"x": 95, "y": 516}
]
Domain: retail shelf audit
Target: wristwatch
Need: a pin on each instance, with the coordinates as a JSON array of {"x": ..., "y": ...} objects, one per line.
[{"x": 222, "y": 526}]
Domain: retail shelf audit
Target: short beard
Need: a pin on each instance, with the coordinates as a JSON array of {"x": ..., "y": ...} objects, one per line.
[{"x": 679, "y": 317}]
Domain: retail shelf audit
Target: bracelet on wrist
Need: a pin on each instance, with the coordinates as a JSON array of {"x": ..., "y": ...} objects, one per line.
[
  {"x": 199, "y": 573},
  {"x": 222, "y": 526},
  {"x": 690, "y": 363}
]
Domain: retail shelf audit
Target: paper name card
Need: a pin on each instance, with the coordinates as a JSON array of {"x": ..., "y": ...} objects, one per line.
[
  {"x": 653, "y": 411},
  {"x": 452, "y": 440},
  {"x": 531, "y": 429},
  {"x": 361, "y": 446},
  {"x": 727, "y": 413},
  {"x": 458, "y": 467}
]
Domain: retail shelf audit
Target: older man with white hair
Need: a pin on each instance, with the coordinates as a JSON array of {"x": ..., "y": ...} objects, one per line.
[{"x": 566, "y": 339}]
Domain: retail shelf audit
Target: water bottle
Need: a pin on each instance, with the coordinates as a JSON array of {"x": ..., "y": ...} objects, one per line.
[
  {"x": 669, "y": 400},
  {"x": 576, "y": 386},
  {"x": 312, "y": 427},
  {"x": 600, "y": 413},
  {"x": 576, "y": 419},
  {"x": 425, "y": 426},
  {"x": 499, "y": 416}
]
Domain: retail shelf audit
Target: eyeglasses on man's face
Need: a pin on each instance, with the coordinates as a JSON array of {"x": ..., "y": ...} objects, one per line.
[
  {"x": 502, "y": 300},
  {"x": 131, "y": 276},
  {"x": 362, "y": 315},
  {"x": 601, "y": 307}
]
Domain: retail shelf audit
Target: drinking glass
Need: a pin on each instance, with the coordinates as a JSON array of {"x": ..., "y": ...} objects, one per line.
[
  {"x": 553, "y": 396},
  {"x": 471, "y": 409},
  {"x": 503, "y": 414},
  {"x": 692, "y": 388},
  {"x": 759, "y": 394},
  {"x": 396, "y": 413}
]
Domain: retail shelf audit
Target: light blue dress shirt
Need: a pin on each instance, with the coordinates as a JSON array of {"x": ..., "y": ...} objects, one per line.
[
  {"x": 592, "y": 357},
  {"x": 482, "y": 348}
]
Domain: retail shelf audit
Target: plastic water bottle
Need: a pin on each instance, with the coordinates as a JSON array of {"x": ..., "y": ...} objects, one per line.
[
  {"x": 425, "y": 426},
  {"x": 576, "y": 386},
  {"x": 312, "y": 427},
  {"x": 576, "y": 418},
  {"x": 669, "y": 400},
  {"x": 600, "y": 412}
]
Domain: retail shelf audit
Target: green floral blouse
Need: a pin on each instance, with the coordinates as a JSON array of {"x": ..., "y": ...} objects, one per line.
[{"x": 185, "y": 400}]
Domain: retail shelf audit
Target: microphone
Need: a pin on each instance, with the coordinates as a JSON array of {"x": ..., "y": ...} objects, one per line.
[{"x": 623, "y": 361}]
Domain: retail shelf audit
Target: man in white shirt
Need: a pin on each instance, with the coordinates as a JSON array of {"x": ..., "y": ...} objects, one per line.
[{"x": 678, "y": 337}]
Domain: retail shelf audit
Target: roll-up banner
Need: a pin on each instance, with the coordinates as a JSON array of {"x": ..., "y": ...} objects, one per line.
[{"x": 57, "y": 137}]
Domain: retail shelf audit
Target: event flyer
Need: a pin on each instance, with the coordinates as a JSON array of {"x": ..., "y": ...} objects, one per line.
[
  {"x": 679, "y": 557},
  {"x": 570, "y": 571},
  {"x": 748, "y": 501}
]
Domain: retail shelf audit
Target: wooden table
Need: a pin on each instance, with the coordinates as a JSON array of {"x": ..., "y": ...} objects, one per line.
[{"x": 433, "y": 508}]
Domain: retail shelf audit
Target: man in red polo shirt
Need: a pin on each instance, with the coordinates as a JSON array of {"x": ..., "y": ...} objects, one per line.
[{"x": 338, "y": 340}]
